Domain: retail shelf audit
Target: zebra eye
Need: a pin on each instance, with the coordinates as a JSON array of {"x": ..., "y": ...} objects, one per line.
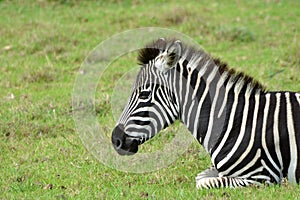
[{"x": 144, "y": 94}]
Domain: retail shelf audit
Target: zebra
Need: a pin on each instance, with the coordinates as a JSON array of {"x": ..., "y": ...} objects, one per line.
[{"x": 252, "y": 135}]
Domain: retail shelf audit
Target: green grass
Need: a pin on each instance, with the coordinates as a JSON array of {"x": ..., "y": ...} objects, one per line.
[{"x": 42, "y": 46}]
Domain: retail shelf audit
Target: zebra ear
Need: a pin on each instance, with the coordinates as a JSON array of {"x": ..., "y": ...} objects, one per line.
[
  {"x": 173, "y": 54},
  {"x": 169, "y": 58}
]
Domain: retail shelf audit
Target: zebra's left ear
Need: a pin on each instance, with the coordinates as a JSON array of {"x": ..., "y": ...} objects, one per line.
[
  {"x": 169, "y": 58},
  {"x": 174, "y": 53}
]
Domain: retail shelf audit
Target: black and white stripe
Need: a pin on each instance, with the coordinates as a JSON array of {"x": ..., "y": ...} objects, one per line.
[{"x": 252, "y": 136}]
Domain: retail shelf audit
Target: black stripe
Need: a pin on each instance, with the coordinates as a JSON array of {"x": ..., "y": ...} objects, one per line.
[
  {"x": 283, "y": 135},
  {"x": 184, "y": 68},
  {"x": 204, "y": 117},
  {"x": 194, "y": 78}
]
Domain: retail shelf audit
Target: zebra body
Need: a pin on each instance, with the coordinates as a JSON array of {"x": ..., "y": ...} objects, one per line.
[{"x": 252, "y": 136}]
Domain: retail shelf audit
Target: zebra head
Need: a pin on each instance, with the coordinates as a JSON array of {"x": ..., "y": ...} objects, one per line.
[{"x": 152, "y": 105}]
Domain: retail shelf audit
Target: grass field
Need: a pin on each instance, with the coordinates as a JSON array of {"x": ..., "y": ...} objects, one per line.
[{"x": 42, "y": 46}]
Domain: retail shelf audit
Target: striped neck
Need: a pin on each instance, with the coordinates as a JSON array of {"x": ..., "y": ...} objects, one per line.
[{"x": 207, "y": 94}]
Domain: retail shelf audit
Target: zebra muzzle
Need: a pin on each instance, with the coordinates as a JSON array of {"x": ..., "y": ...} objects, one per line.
[{"x": 122, "y": 143}]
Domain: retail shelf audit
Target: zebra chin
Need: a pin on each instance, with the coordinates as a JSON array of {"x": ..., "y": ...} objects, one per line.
[{"x": 122, "y": 143}]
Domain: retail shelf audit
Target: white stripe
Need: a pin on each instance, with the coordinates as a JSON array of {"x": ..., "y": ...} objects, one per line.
[
  {"x": 237, "y": 89},
  {"x": 270, "y": 171},
  {"x": 187, "y": 89},
  {"x": 227, "y": 89},
  {"x": 212, "y": 111},
  {"x": 189, "y": 114},
  {"x": 292, "y": 139},
  {"x": 175, "y": 88},
  {"x": 151, "y": 109},
  {"x": 145, "y": 119},
  {"x": 163, "y": 98},
  {"x": 180, "y": 80},
  {"x": 137, "y": 134},
  {"x": 203, "y": 96},
  {"x": 200, "y": 74},
  {"x": 263, "y": 177},
  {"x": 196, "y": 124},
  {"x": 264, "y": 133},
  {"x": 250, "y": 174},
  {"x": 246, "y": 167},
  {"x": 165, "y": 108},
  {"x": 253, "y": 131},
  {"x": 146, "y": 76},
  {"x": 137, "y": 126},
  {"x": 194, "y": 61},
  {"x": 298, "y": 97},
  {"x": 131, "y": 104},
  {"x": 241, "y": 134},
  {"x": 276, "y": 132}
]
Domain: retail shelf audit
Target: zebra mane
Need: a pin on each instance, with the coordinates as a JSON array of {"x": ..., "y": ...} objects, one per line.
[{"x": 190, "y": 53}]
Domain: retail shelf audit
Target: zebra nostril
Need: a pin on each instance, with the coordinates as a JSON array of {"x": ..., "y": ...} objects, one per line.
[
  {"x": 118, "y": 144},
  {"x": 118, "y": 137},
  {"x": 122, "y": 144}
]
